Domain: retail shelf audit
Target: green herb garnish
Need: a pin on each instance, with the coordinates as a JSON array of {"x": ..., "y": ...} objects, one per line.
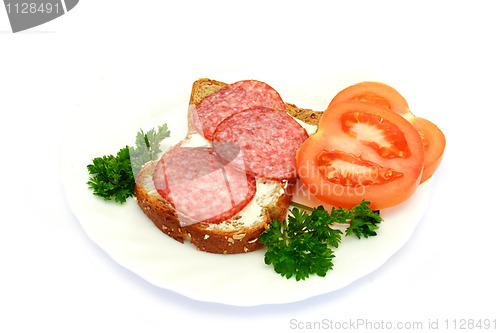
[
  {"x": 147, "y": 146},
  {"x": 113, "y": 177},
  {"x": 303, "y": 244}
]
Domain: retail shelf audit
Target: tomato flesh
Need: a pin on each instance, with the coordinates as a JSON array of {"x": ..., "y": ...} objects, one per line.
[
  {"x": 347, "y": 169},
  {"x": 361, "y": 151},
  {"x": 434, "y": 143}
]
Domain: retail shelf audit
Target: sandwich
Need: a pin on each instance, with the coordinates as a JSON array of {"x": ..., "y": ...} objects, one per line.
[{"x": 234, "y": 172}]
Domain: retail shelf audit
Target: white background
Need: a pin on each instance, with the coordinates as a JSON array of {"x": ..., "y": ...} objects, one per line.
[{"x": 443, "y": 56}]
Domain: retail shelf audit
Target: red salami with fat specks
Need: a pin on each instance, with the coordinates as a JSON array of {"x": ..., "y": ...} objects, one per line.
[
  {"x": 231, "y": 99},
  {"x": 200, "y": 188},
  {"x": 266, "y": 138}
]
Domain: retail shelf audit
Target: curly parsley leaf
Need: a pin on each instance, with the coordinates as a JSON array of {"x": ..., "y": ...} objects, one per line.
[
  {"x": 295, "y": 252},
  {"x": 303, "y": 244},
  {"x": 363, "y": 221},
  {"x": 112, "y": 176}
]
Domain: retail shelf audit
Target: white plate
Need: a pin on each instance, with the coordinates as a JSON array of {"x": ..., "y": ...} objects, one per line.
[{"x": 128, "y": 99}]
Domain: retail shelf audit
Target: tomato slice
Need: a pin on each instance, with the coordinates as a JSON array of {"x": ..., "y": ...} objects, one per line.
[
  {"x": 384, "y": 95},
  {"x": 376, "y": 93},
  {"x": 434, "y": 143},
  {"x": 361, "y": 151}
]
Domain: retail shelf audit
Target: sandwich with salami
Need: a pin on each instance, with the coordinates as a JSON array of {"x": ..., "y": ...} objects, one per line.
[{"x": 233, "y": 174}]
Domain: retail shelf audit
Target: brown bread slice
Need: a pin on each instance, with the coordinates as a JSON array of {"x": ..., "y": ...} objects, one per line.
[{"x": 238, "y": 234}]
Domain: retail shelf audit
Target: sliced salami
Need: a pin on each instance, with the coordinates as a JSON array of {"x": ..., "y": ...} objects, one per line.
[
  {"x": 268, "y": 140},
  {"x": 231, "y": 99},
  {"x": 200, "y": 188}
]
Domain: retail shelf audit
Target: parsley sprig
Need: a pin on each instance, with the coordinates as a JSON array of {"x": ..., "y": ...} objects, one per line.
[
  {"x": 112, "y": 176},
  {"x": 303, "y": 244},
  {"x": 147, "y": 146}
]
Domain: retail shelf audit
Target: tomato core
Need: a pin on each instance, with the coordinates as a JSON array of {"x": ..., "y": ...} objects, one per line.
[{"x": 376, "y": 132}]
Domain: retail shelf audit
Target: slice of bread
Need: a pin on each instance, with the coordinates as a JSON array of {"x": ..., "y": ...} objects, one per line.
[{"x": 241, "y": 232}]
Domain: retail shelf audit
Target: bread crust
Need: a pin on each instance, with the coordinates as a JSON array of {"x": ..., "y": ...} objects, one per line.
[{"x": 227, "y": 237}]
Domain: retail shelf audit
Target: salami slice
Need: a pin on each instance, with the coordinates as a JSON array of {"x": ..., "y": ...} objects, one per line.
[
  {"x": 200, "y": 188},
  {"x": 268, "y": 140},
  {"x": 231, "y": 99}
]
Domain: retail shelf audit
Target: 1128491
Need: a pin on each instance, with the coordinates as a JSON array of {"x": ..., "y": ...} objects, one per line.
[
  {"x": 470, "y": 324},
  {"x": 33, "y": 8}
]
